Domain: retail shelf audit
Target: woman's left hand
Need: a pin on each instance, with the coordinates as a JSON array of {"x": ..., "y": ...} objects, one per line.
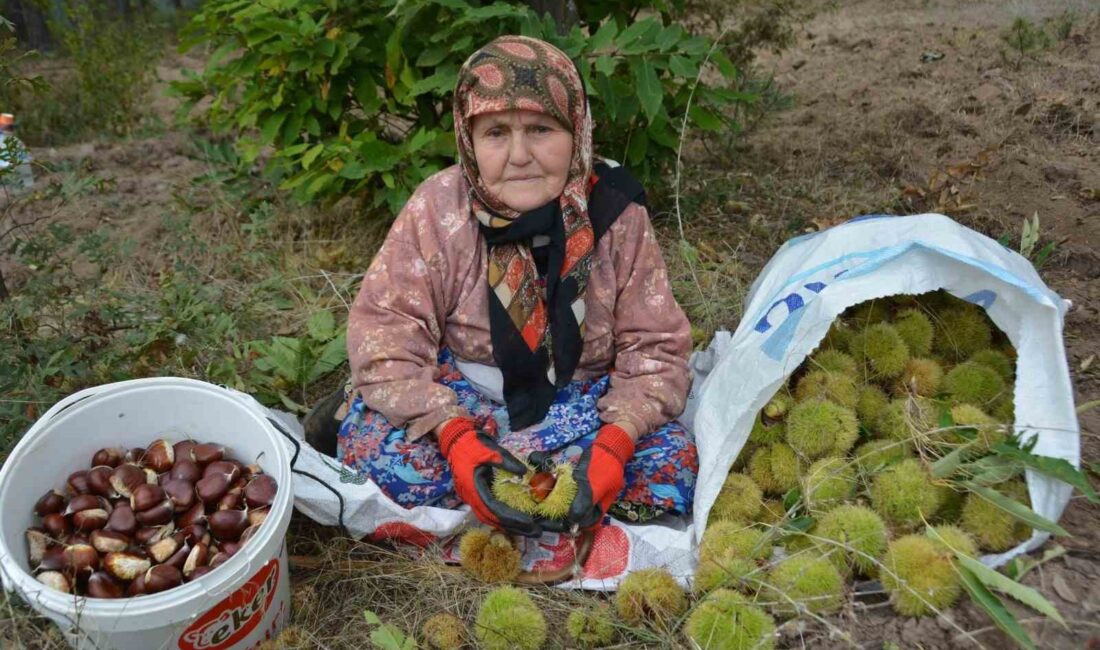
[{"x": 599, "y": 475}]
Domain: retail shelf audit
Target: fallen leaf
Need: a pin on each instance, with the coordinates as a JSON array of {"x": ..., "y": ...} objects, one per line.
[
  {"x": 1087, "y": 363},
  {"x": 824, "y": 223},
  {"x": 1062, "y": 589},
  {"x": 913, "y": 192}
]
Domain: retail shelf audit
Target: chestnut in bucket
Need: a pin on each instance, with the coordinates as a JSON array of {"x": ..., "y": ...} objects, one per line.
[{"x": 144, "y": 520}]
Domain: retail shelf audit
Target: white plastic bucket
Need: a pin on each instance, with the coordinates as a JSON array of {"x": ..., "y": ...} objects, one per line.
[{"x": 238, "y": 605}]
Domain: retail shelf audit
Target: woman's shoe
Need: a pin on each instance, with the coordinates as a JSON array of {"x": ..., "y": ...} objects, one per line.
[{"x": 321, "y": 425}]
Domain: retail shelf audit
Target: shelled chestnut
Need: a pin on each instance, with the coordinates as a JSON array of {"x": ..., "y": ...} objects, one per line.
[{"x": 144, "y": 520}]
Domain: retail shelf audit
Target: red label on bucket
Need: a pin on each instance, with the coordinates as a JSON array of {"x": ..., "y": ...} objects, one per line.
[{"x": 233, "y": 618}]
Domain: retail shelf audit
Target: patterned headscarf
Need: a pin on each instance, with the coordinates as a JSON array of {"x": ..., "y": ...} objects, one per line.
[{"x": 536, "y": 326}]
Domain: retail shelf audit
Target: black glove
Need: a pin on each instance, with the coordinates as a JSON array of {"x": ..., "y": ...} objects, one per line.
[{"x": 473, "y": 455}]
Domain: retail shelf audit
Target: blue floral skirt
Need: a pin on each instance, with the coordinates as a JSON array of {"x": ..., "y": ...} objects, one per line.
[{"x": 660, "y": 477}]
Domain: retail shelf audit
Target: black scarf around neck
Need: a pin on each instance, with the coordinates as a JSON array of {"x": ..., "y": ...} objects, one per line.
[{"x": 528, "y": 389}]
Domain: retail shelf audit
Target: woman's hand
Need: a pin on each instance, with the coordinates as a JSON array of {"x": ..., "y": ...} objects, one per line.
[
  {"x": 472, "y": 456},
  {"x": 599, "y": 474}
]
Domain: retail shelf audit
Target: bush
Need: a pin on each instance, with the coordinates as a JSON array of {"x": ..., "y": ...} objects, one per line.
[
  {"x": 354, "y": 99},
  {"x": 106, "y": 89}
]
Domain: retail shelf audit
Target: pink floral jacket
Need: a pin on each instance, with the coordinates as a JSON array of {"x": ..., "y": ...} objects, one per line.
[{"x": 426, "y": 287}]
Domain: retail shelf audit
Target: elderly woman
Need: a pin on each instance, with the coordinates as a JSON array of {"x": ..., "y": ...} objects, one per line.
[{"x": 520, "y": 308}]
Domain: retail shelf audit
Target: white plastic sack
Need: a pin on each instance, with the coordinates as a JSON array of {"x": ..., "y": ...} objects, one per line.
[
  {"x": 813, "y": 278},
  {"x": 701, "y": 364}
]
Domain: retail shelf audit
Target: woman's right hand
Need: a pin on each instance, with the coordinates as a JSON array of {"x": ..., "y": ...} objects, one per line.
[{"x": 473, "y": 455}]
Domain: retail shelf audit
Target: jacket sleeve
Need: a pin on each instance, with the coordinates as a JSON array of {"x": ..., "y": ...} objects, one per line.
[
  {"x": 395, "y": 329},
  {"x": 650, "y": 377}
]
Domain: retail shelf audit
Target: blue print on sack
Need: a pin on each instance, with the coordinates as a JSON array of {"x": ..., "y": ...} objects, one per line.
[
  {"x": 793, "y": 302},
  {"x": 859, "y": 258},
  {"x": 984, "y": 298},
  {"x": 776, "y": 345}
]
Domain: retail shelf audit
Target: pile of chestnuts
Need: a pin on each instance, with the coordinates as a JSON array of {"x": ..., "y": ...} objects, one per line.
[{"x": 142, "y": 521}]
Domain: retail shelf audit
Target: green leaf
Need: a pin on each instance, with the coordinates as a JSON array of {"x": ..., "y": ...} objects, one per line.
[
  {"x": 293, "y": 406},
  {"x": 311, "y": 155},
  {"x": 947, "y": 420},
  {"x": 947, "y": 465},
  {"x": 696, "y": 45},
  {"x": 1016, "y": 509},
  {"x": 1058, "y": 468},
  {"x": 1009, "y": 587},
  {"x": 635, "y": 32},
  {"x": 321, "y": 325},
  {"x": 353, "y": 170},
  {"x": 661, "y": 133},
  {"x": 332, "y": 356},
  {"x": 669, "y": 36},
  {"x": 420, "y": 139},
  {"x": 1021, "y": 565},
  {"x": 792, "y": 498},
  {"x": 801, "y": 524},
  {"x": 991, "y": 470},
  {"x": 704, "y": 118},
  {"x": 318, "y": 184},
  {"x": 603, "y": 36},
  {"x": 271, "y": 127},
  {"x": 441, "y": 81},
  {"x": 605, "y": 65},
  {"x": 432, "y": 56},
  {"x": 386, "y": 636},
  {"x": 495, "y": 10},
  {"x": 993, "y": 606},
  {"x": 648, "y": 86},
  {"x": 725, "y": 66},
  {"x": 366, "y": 93},
  {"x": 682, "y": 67},
  {"x": 292, "y": 128}
]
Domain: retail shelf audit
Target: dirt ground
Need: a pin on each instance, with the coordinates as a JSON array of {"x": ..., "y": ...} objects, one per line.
[
  {"x": 897, "y": 108},
  {"x": 913, "y": 107}
]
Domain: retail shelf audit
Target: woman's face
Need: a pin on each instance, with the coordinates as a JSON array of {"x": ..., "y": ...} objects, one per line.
[{"x": 522, "y": 156}]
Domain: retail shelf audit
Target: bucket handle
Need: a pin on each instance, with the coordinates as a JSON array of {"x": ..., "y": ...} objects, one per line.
[
  {"x": 62, "y": 405},
  {"x": 294, "y": 459}
]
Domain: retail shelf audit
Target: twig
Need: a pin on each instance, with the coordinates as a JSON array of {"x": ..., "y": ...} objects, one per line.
[
  {"x": 336, "y": 291},
  {"x": 679, "y": 169},
  {"x": 683, "y": 131},
  {"x": 27, "y": 224}
]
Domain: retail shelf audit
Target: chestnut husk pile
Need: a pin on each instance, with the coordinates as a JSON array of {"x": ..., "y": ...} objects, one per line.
[{"x": 144, "y": 520}]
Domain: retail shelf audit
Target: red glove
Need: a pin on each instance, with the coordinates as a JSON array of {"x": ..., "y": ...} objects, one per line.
[
  {"x": 599, "y": 475},
  {"x": 472, "y": 455}
]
